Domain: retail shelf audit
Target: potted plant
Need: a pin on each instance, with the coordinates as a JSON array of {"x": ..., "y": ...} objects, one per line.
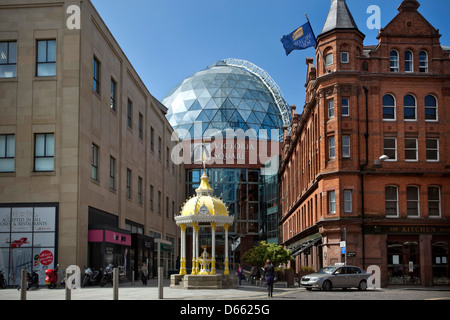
[{"x": 305, "y": 270}]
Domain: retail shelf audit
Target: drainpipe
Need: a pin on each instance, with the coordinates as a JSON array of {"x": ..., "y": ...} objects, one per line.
[{"x": 361, "y": 168}]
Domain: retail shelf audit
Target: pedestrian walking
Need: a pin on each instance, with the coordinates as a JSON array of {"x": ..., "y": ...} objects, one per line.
[
  {"x": 269, "y": 272},
  {"x": 240, "y": 273},
  {"x": 144, "y": 274}
]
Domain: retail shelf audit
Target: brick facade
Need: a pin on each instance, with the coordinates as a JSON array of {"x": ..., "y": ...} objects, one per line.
[{"x": 331, "y": 173}]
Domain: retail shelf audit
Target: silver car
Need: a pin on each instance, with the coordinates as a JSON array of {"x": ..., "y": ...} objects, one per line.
[{"x": 344, "y": 277}]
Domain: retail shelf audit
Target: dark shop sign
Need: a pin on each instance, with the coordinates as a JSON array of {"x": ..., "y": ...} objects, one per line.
[{"x": 441, "y": 230}]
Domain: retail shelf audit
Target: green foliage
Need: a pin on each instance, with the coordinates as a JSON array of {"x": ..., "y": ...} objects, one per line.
[{"x": 258, "y": 255}]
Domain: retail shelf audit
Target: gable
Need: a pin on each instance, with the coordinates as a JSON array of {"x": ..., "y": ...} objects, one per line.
[{"x": 409, "y": 23}]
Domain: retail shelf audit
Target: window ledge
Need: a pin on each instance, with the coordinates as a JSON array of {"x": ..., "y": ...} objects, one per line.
[
  {"x": 43, "y": 173},
  {"x": 7, "y": 174}
]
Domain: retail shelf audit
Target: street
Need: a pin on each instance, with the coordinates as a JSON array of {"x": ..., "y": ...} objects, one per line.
[{"x": 245, "y": 292}]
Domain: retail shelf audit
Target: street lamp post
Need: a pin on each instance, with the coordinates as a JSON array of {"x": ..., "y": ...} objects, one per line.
[{"x": 377, "y": 162}]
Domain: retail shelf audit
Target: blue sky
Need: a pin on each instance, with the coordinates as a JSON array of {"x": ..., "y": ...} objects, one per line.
[{"x": 169, "y": 40}]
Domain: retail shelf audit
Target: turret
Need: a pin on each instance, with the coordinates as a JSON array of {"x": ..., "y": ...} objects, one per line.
[{"x": 340, "y": 41}]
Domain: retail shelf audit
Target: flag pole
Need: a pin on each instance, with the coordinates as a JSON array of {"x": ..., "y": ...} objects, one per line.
[{"x": 317, "y": 45}]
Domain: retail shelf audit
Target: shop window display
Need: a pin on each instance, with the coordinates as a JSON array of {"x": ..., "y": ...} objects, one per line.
[
  {"x": 403, "y": 262},
  {"x": 441, "y": 271}
]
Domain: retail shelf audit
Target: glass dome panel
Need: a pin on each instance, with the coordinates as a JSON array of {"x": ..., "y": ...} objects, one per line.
[{"x": 223, "y": 97}]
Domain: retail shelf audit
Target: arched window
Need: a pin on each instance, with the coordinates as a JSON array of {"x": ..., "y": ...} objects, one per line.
[
  {"x": 329, "y": 59},
  {"x": 394, "y": 61},
  {"x": 430, "y": 108},
  {"x": 423, "y": 61},
  {"x": 410, "y": 107},
  {"x": 388, "y": 107},
  {"x": 434, "y": 201},
  {"x": 409, "y": 61},
  {"x": 412, "y": 201},
  {"x": 391, "y": 201}
]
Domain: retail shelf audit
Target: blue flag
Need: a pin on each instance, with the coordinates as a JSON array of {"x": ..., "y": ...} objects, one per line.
[{"x": 299, "y": 39}]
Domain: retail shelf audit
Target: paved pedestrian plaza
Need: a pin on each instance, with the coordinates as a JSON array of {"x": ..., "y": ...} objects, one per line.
[{"x": 136, "y": 291}]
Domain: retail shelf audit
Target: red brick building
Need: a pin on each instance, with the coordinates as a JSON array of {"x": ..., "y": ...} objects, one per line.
[{"x": 369, "y": 157}]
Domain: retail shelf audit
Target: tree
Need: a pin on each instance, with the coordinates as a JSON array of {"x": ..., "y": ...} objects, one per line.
[{"x": 257, "y": 256}]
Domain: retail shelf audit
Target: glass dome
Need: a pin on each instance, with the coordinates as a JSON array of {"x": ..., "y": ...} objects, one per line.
[{"x": 225, "y": 96}]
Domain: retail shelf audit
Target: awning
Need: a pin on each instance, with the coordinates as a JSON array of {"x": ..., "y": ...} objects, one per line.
[{"x": 306, "y": 245}]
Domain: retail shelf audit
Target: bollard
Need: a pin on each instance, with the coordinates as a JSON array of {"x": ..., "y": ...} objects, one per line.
[
  {"x": 116, "y": 284},
  {"x": 160, "y": 282},
  {"x": 68, "y": 290},
  {"x": 23, "y": 284},
  {"x": 132, "y": 278},
  {"x": 68, "y": 294}
]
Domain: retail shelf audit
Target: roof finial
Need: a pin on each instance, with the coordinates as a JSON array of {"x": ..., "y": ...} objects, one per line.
[
  {"x": 205, "y": 157},
  {"x": 409, "y": 5}
]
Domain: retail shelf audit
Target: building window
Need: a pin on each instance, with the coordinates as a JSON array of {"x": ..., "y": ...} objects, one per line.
[
  {"x": 159, "y": 202},
  {"x": 8, "y": 59},
  {"x": 130, "y": 114},
  {"x": 44, "y": 152},
  {"x": 152, "y": 139},
  {"x": 151, "y": 197},
  {"x": 346, "y": 146},
  {"x": 365, "y": 66},
  {"x": 391, "y": 200},
  {"x": 389, "y": 107},
  {"x": 409, "y": 61},
  {"x": 423, "y": 61},
  {"x": 173, "y": 209},
  {"x": 403, "y": 261},
  {"x": 390, "y": 148},
  {"x": 96, "y": 76},
  {"x": 441, "y": 267},
  {"x": 331, "y": 201},
  {"x": 94, "y": 164},
  {"x": 141, "y": 126},
  {"x": 432, "y": 149},
  {"x": 35, "y": 229},
  {"x": 128, "y": 183},
  {"x": 113, "y": 95},
  {"x": 159, "y": 148},
  {"x": 46, "y": 58},
  {"x": 410, "y": 107},
  {"x": 167, "y": 157},
  {"x": 411, "y": 149},
  {"x": 112, "y": 173},
  {"x": 434, "y": 201},
  {"x": 7, "y": 152},
  {"x": 347, "y": 201},
  {"x": 345, "y": 57},
  {"x": 412, "y": 201},
  {"x": 394, "y": 61},
  {"x": 167, "y": 207},
  {"x": 345, "y": 107},
  {"x": 330, "y": 109},
  {"x": 329, "y": 60},
  {"x": 139, "y": 190},
  {"x": 430, "y": 108},
  {"x": 331, "y": 148}
]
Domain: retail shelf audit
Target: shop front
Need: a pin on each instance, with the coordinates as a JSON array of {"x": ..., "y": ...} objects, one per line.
[
  {"x": 414, "y": 254},
  {"x": 28, "y": 239},
  {"x": 307, "y": 254},
  {"x": 142, "y": 250},
  {"x": 110, "y": 246},
  {"x": 164, "y": 256}
]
